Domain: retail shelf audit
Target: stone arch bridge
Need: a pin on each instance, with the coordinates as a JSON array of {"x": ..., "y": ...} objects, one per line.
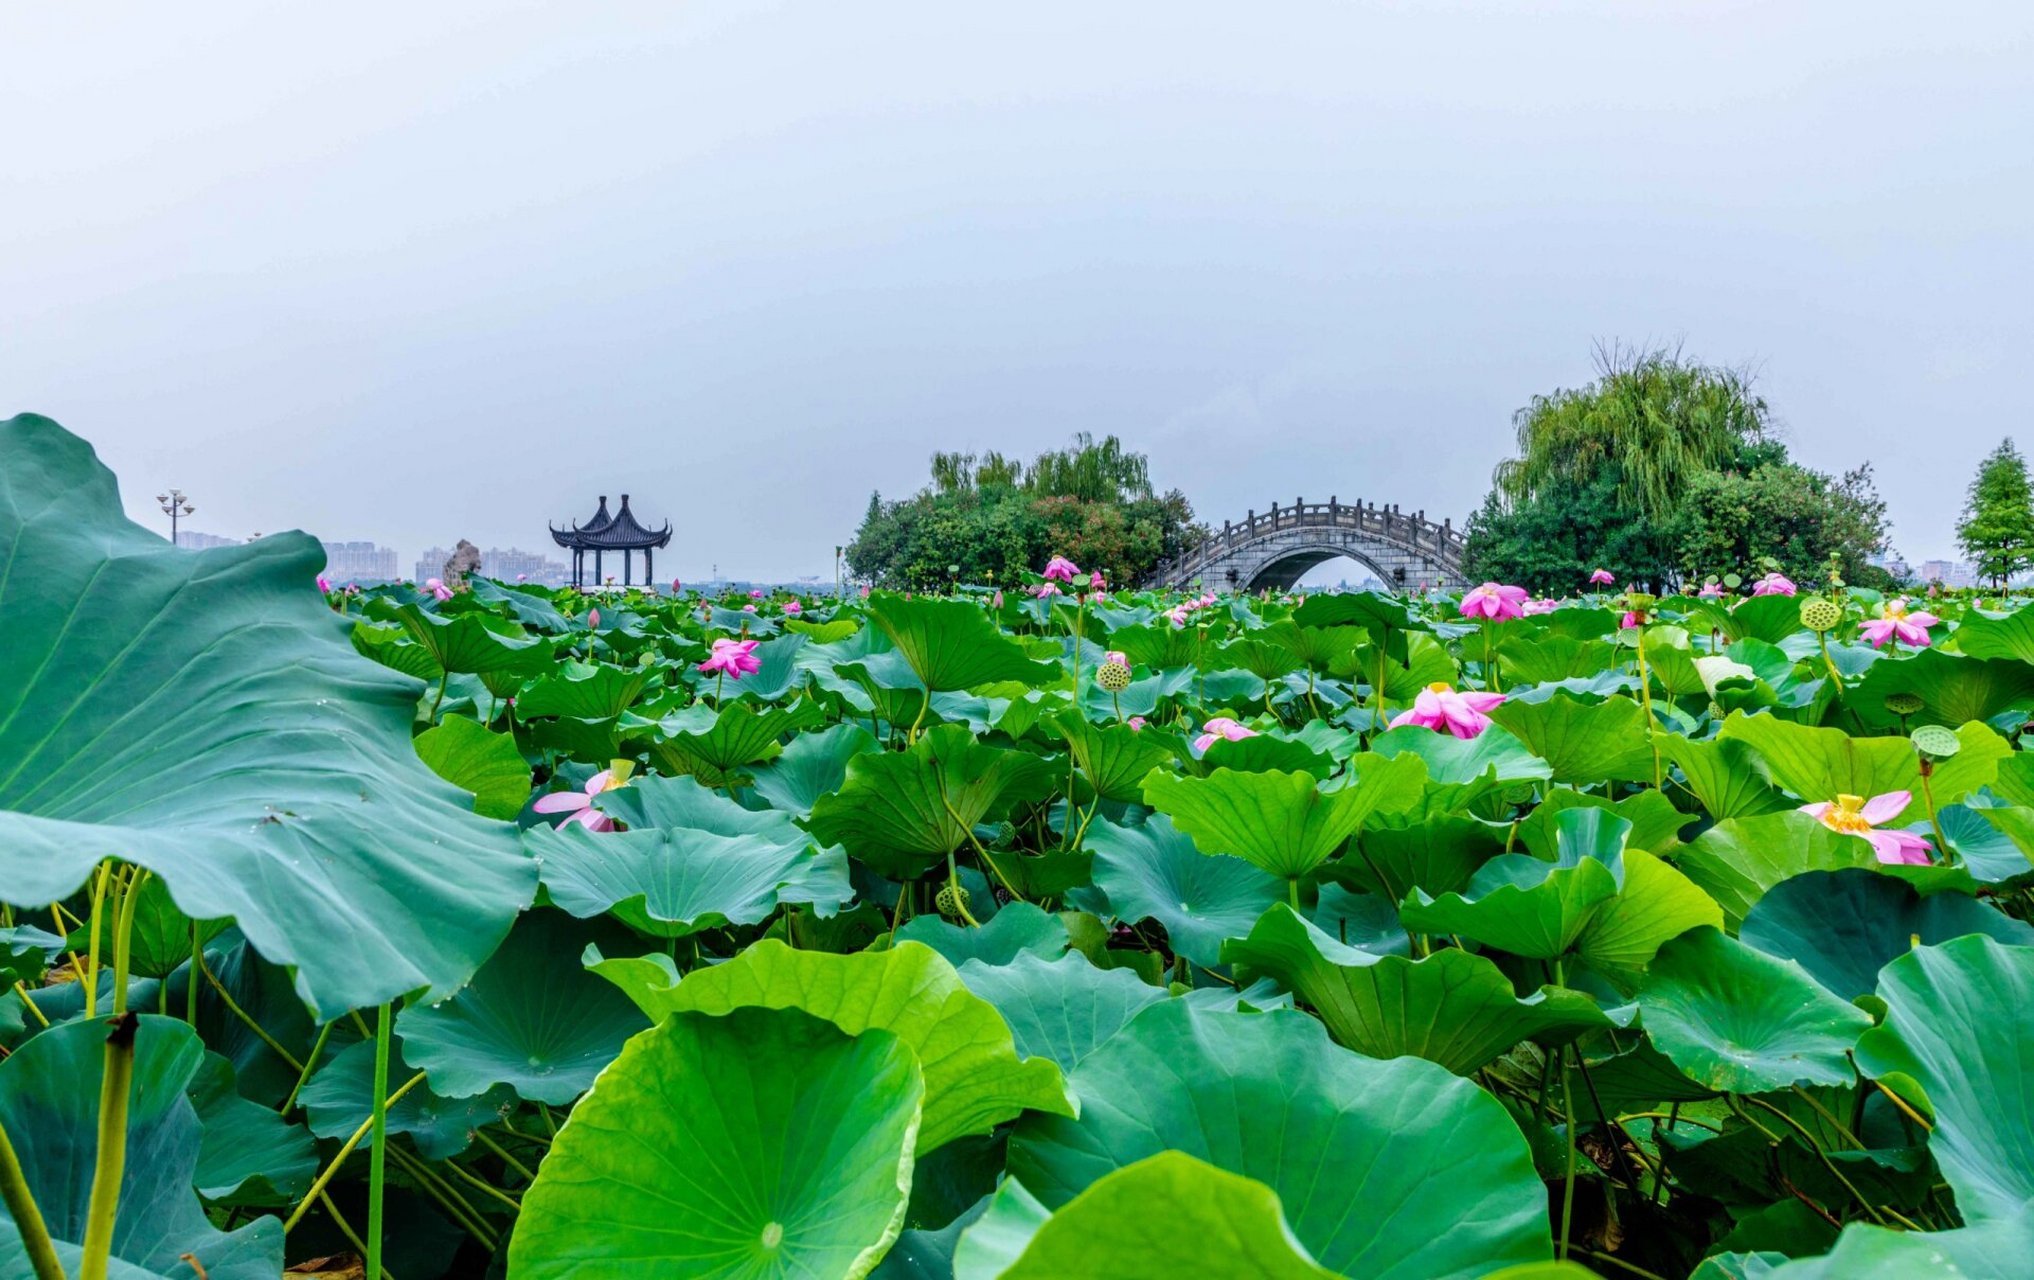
[{"x": 1273, "y": 549}]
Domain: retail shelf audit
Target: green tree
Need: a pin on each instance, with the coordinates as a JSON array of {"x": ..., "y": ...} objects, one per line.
[{"x": 1997, "y": 529}]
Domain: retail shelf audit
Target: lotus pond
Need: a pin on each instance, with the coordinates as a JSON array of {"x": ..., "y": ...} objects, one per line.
[{"x": 1053, "y": 932}]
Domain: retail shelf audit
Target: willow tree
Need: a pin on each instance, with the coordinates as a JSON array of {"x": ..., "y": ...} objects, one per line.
[{"x": 1652, "y": 421}]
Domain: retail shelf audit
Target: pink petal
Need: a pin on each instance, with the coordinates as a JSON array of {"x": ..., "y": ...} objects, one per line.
[
  {"x": 1883, "y": 809},
  {"x": 561, "y": 802},
  {"x": 1899, "y": 848},
  {"x": 1817, "y": 809}
]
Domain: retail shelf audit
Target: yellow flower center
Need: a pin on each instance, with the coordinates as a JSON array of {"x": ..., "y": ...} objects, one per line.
[
  {"x": 1844, "y": 816},
  {"x": 1894, "y": 609},
  {"x": 1439, "y": 686}
]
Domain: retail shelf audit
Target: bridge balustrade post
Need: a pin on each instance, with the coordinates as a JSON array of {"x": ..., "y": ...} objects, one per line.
[
  {"x": 1274, "y": 517},
  {"x": 1334, "y": 510}
]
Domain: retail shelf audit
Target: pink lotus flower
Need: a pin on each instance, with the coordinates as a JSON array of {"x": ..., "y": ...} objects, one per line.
[
  {"x": 1061, "y": 569},
  {"x": 748, "y": 608},
  {"x": 522, "y": 577},
  {"x": 1440, "y": 708},
  {"x": 756, "y": 594},
  {"x": 1494, "y": 601},
  {"x": 996, "y": 601},
  {"x": 1206, "y": 600},
  {"x": 324, "y": 584},
  {"x": 735, "y": 658},
  {"x": 1098, "y": 595},
  {"x": 581, "y": 806},
  {"x": 676, "y": 586},
  {"x": 1116, "y": 656},
  {"x": 1136, "y": 723},
  {"x": 1095, "y": 580},
  {"x": 1178, "y": 616},
  {"x": 1711, "y": 591},
  {"x": 1045, "y": 589},
  {"x": 437, "y": 587},
  {"x": 1602, "y": 578},
  {"x": 1895, "y": 623},
  {"x": 793, "y": 608},
  {"x": 1541, "y": 606},
  {"x": 1221, "y": 727},
  {"x": 592, "y": 619},
  {"x": 865, "y": 591},
  {"x": 1856, "y": 816},
  {"x": 1773, "y": 584},
  {"x": 1630, "y": 621}
]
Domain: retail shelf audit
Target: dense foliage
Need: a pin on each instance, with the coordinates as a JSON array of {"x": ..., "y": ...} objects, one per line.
[
  {"x": 517, "y": 932},
  {"x": 992, "y": 519},
  {"x": 1997, "y": 528},
  {"x": 1665, "y": 472}
]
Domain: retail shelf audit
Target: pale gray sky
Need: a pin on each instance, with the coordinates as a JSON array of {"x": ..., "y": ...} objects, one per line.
[{"x": 422, "y": 271}]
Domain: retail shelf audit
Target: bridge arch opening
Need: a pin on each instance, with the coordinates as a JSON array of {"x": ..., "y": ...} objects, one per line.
[
  {"x": 1332, "y": 561},
  {"x": 1341, "y": 572}
]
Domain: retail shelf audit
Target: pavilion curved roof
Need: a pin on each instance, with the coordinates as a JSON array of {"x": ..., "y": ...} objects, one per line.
[{"x": 620, "y": 531}]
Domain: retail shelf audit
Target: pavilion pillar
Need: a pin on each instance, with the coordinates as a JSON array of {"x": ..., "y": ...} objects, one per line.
[
  {"x": 649, "y": 574},
  {"x": 598, "y": 577}
]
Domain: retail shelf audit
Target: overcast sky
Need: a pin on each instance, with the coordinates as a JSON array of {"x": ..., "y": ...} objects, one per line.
[{"x": 426, "y": 271}]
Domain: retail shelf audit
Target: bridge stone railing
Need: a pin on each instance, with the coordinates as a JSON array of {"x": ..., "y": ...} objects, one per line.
[{"x": 1411, "y": 533}]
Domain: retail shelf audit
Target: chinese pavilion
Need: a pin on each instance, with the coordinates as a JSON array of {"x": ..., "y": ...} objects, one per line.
[{"x": 606, "y": 533}]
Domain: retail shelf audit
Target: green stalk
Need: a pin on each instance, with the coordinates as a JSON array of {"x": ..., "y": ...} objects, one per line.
[
  {"x": 377, "y": 1166},
  {"x": 123, "y": 939},
  {"x": 1928, "y": 799},
  {"x": 20, "y": 1202},
  {"x": 317, "y": 1047},
  {"x": 1646, "y": 695},
  {"x": 339, "y": 1158},
  {"x": 1567, "y": 1182},
  {"x": 191, "y": 976},
  {"x": 92, "y": 951},
  {"x": 111, "y": 1163}
]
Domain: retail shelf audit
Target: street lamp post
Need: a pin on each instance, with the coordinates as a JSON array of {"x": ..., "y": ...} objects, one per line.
[{"x": 174, "y": 504}]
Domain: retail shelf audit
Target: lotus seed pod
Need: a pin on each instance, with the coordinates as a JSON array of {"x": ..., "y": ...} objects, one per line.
[
  {"x": 1935, "y": 742},
  {"x": 1821, "y": 615},
  {"x": 1113, "y": 676},
  {"x": 1519, "y": 793},
  {"x": 1903, "y": 704},
  {"x": 951, "y": 900},
  {"x": 1003, "y": 834}
]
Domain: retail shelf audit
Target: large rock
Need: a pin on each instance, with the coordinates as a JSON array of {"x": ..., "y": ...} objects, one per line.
[{"x": 465, "y": 559}]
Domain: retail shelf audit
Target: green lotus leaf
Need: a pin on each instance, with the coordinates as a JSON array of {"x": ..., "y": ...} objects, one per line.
[
  {"x": 761, "y": 1145},
  {"x": 777, "y": 673},
  {"x": 902, "y": 813},
  {"x": 1955, "y": 1024},
  {"x": 1821, "y": 764},
  {"x": 474, "y": 758},
  {"x": 1060, "y": 1009},
  {"x": 812, "y": 765},
  {"x": 1388, "y": 1170},
  {"x": 339, "y": 1098},
  {"x": 159, "y": 937},
  {"x": 691, "y": 859},
  {"x": 952, "y": 644},
  {"x": 49, "y": 1107},
  {"x": 1953, "y": 690},
  {"x": 473, "y": 643},
  {"x": 524, "y": 603},
  {"x": 1261, "y": 658},
  {"x": 832, "y": 631},
  {"x": 585, "y": 691},
  {"x": 1532, "y": 906},
  {"x": 1740, "y": 1021},
  {"x": 1655, "y": 822},
  {"x": 1844, "y": 926},
  {"x": 1994, "y": 1247},
  {"x": 1322, "y": 649},
  {"x": 1162, "y": 1218},
  {"x": 1736, "y": 861},
  {"x": 1582, "y": 741},
  {"x": 1460, "y": 769},
  {"x": 1656, "y": 905},
  {"x": 1417, "y": 851},
  {"x": 1265, "y": 753},
  {"x": 532, "y": 1019},
  {"x": 1452, "y": 1007},
  {"x": 1725, "y": 774},
  {"x": 1154, "y": 872},
  {"x": 1384, "y": 617},
  {"x": 1016, "y": 929},
  {"x": 1159, "y": 647},
  {"x": 392, "y": 647},
  {"x": 714, "y": 746},
  {"x": 249, "y": 1152},
  {"x": 1113, "y": 759},
  {"x": 1768, "y": 618},
  {"x": 202, "y": 714},
  {"x": 1545, "y": 659},
  {"x": 1284, "y": 822},
  {"x": 974, "y": 1078}
]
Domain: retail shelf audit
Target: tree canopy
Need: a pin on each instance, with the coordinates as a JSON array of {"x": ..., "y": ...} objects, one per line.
[
  {"x": 1997, "y": 528},
  {"x": 989, "y": 518}
]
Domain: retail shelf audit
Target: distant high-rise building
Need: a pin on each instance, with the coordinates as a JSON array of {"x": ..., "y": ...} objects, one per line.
[
  {"x": 359, "y": 562},
  {"x": 1950, "y": 573},
  {"x": 194, "y": 541}
]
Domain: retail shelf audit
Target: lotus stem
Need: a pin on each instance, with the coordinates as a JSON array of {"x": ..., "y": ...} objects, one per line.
[
  {"x": 339, "y": 1157},
  {"x": 244, "y": 1016},
  {"x": 317, "y": 1047},
  {"x": 191, "y": 976},
  {"x": 91, "y": 974},
  {"x": 111, "y": 1162},
  {"x": 123, "y": 938},
  {"x": 1928, "y": 799},
  {"x": 1646, "y": 696},
  {"x": 21, "y": 1206},
  {"x": 29, "y": 1003},
  {"x": 1568, "y": 1180},
  {"x": 377, "y": 1159}
]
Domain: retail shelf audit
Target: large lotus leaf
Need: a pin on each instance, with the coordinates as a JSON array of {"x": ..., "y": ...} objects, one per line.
[
  {"x": 1725, "y": 774},
  {"x": 49, "y": 1106},
  {"x": 585, "y": 691},
  {"x": 832, "y": 631},
  {"x": 974, "y": 1078},
  {"x": 1157, "y": 647},
  {"x": 1993, "y": 843},
  {"x": 715, "y": 745},
  {"x": 1737, "y": 1020},
  {"x": 1385, "y": 617},
  {"x": 532, "y": 1019},
  {"x": 1996, "y": 1247},
  {"x": 777, "y": 672},
  {"x": 763, "y": 1145},
  {"x": 202, "y": 714},
  {"x": 1284, "y": 822},
  {"x": 1159, "y": 1219},
  {"x": 1452, "y": 1007},
  {"x": 1821, "y": 764},
  {"x": 1060, "y": 1009},
  {"x": 902, "y": 812},
  {"x": 392, "y": 647},
  {"x": 1953, "y": 690},
  {"x": 1768, "y": 618},
  {"x": 1465, "y": 767},
  {"x": 1261, "y": 658},
  {"x": 526, "y": 605},
  {"x": 474, "y": 643},
  {"x": 952, "y": 644},
  {"x": 1735, "y": 862},
  {"x": 248, "y": 1150},
  {"x": 1844, "y": 926},
  {"x": 1545, "y": 659},
  {"x": 1388, "y": 1170},
  {"x": 1655, "y": 822},
  {"x": 1534, "y": 906},
  {"x": 1017, "y": 929},
  {"x": 474, "y": 758},
  {"x": 1656, "y": 905},
  {"x": 691, "y": 859},
  {"x": 339, "y": 1098},
  {"x": 159, "y": 935},
  {"x": 1154, "y": 872},
  {"x": 1437, "y": 854},
  {"x": 812, "y": 765},
  {"x": 1582, "y": 741},
  {"x": 1265, "y": 752},
  {"x": 1956, "y": 1024},
  {"x": 1324, "y": 649},
  {"x": 1113, "y": 759}
]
